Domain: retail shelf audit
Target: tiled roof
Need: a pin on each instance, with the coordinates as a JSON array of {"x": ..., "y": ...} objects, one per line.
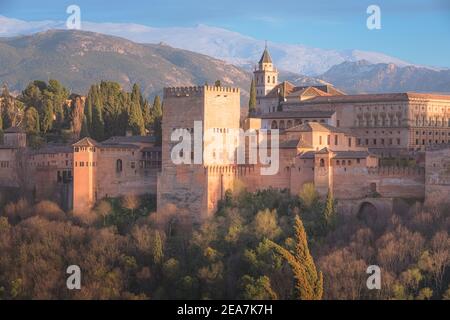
[
  {"x": 290, "y": 144},
  {"x": 119, "y": 145},
  {"x": 266, "y": 58},
  {"x": 130, "y": 139},
  {"x": 315, "y": 126},
  {"x": 351, "y": 154},
  {"x": 297, "y": 114},
  {"x": 323, "y": 151},
  {"x": 53, "y": 149},
  {"x": 382, "y": 97},
  {"x": 307, "y": 155},
  {"x": 86, "y": 142}
]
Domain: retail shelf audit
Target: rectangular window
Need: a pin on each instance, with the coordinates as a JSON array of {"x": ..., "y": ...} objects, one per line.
[
  {"x": 350, "y": 142},
  {"x": 336, "y": 141}
]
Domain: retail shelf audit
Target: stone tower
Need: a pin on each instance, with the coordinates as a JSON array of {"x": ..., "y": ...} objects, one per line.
[
  {"x": 84, "y": 175},
  {"x": 193, "y": 187},
  {"x": 265, "y": 76}
]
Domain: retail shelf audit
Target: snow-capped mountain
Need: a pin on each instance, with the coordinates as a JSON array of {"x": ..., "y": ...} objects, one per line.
[{"x": 220, "y": 43}]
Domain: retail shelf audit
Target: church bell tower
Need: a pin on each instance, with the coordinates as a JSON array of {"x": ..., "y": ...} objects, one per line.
[{"x": 265, "y": 75}]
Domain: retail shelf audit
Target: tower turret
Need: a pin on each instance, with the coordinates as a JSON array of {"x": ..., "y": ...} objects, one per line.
[{"x": 265, "y": 76}]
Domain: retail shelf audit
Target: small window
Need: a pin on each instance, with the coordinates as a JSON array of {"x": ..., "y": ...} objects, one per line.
[{"x": 119, "y": 166}]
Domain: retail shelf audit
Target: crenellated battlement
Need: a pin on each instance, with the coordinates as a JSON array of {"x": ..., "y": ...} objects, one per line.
[
  {"x": 396, "y": 171},
  {"x": 196, "y": 91},
  {"x": 237, "y": 170}
]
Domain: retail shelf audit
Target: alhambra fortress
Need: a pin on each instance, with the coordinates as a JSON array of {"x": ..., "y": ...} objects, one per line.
[{"x": 349, "y": 145}]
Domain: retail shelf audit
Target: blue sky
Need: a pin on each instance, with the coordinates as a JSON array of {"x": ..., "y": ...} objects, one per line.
[{"x": 414, "y": 30}]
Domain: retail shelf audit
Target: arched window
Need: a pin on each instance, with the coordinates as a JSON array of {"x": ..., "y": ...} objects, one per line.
[
  {"x": 282, "y": 124},
  {"x": 274, "y": 125},
  {"x": 322, "y": 163},
  {"x": 289, "y": 124},
  {"x": 119, "y": 166},
  {"x": 273, "y": 79},
  {"x": 268, "y": 79}
]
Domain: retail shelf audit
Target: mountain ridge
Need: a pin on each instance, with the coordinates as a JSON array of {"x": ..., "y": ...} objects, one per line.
[{"x": 230, "y": 46}]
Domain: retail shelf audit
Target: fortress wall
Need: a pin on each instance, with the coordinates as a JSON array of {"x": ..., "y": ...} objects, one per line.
[
  {"x": 397, "y": 182},
  {"x": 437, "y": 175},
  {"x": 185, "y": 188}
]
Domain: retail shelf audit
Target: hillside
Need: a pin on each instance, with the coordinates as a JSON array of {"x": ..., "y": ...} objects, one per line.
[
  {"x": 78, "y": 59},
  {"x": 364, "y": 77}
]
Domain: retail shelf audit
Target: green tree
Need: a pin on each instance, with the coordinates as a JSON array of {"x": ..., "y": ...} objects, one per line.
[
  {"x": 217, "y": 83},
  {"x": 31, "y": 120},
  {"x": 309, "y": 282},
  {"x": 156, "y": 115},
  {"x": 84, "y": 128},
  {"x": 252, "y": 100},
  {"x": 136, "y": 120},
  {"x": 47, "y": 116},
  {"x": 328, "y": 213},
  {"x": 257, "y": 289},
  {"x": 157, "y": 249},
  {"x": 88, "y": 108},
  {"x": 146, "y": 114},
  {"x": 309, "y": 195},
  {"x": 98, "y": 126}
]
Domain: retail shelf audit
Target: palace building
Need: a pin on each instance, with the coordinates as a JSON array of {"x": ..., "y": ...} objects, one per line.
[
  {"x": 335, "y": 141},
  {"x": 342, "y": 144}
]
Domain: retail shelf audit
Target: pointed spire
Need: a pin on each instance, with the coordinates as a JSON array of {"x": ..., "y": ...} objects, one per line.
[{"x": 266, "y": 58}]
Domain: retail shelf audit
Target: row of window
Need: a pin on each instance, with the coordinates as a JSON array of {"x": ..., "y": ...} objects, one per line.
[
  {"x": 381, "y": 141},
  {"x": 85, "y": 164},
  {"x": 429, "y": 142},
  {"x": 292, "y": 123},
  {"x": 260, "y": 80},
  {"x": 4, "y": 164},
  {"x": 339, "y": 162},
  {"x": 430, "y": 133},
  {"x": 66, "y": 163}
]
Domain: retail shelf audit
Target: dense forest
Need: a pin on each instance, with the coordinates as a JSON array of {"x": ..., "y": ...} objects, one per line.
[
  {"x": 263, "y": 245},
  {"x": 50, "y": 113}
]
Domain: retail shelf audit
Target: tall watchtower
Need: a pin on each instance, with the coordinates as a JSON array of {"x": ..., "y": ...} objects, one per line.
[
  {"x": 188, "y": 186},
  {"x": 265, "y": 76}
]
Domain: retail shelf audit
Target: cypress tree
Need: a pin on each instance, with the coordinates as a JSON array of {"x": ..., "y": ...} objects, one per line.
[
  {"x": 98, "y": 126},
  {"x": 136, "y": 121},
  {"x": 88, "y": 108},
  {"x": 146, "y": 114},
  {"x": 7, "y": 107},
  {"x": 84, "y": 128},
  {"x": 329, "y": 211},
  {"x": 252, "y": 100},
  {"x": 158, "y": 253},
  {"x": 32, "y": 121},
  {"x": 309, "y": 282},
  {"x": 47, "y": 116},
  {"x": 157, "y": 119}
]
